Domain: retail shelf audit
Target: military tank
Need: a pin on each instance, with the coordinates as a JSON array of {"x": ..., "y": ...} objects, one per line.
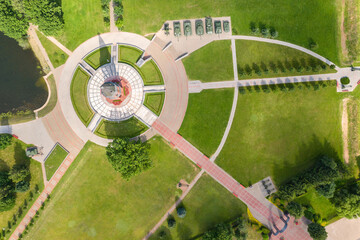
[
  {"x": 226, "y": 26},
  {"x": 199, "y": 27},
  {"x": 208, "y": 24},
  {"x": 177, "y": 30},
  {"x": 187, "y": 28},
  {"x": 166, "y": 28},
  {"x": 218, "y": 29}
]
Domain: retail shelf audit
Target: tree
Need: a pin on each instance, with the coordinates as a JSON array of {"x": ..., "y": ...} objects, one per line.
[
  {"x": 327, "y": 190},
  {"x": 18, "y": 174},
  {"x": 7, "y": 196},
  {"x": 181, "y": 211},
  {"x": 12, "y": 23},
  {"x": 222, "y": 231},
  {"x": 317, "y": 232},
  {"x": 171, "y": 223},
  {"x": 295, "y": 209},
  {"x": 347, "y": 200},
  {"x": 5, "y": 140},
  {"x": 128, "y": 157},
  {"x": 22, "y": 186}
]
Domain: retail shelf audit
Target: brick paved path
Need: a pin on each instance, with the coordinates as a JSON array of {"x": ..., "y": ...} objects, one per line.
[{"x": 273, "y": 217}]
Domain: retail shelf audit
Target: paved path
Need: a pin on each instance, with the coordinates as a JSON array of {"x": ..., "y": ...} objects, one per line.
[
  {"x": 271, "y": 217},
  {"x": 59, "y": 45},
  {"x": 113, "y": 27}
]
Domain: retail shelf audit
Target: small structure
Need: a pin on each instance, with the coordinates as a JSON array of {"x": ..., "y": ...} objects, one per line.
[
  {"x": 199, "y": 27},
  {"x": 32, "y": 151},
  {"x": 226, "y": 26},
  {"x": 177, "y": 30},
  {"x": 111, "y": 90},
  {"x": 208, "y": 24},
  {"x": 218, "y": 29},
  {"x": 187, "y": 28}
]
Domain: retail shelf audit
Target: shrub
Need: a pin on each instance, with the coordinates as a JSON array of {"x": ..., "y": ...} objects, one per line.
[
  {"x": 327, "y": 190},
  {"x": 5, "y": 140},
  {"x": 7, "y": 196},
  {"x": 19, "y": 173},
  {"x": 295, "y": 209},
  {"x": 345, "y": 80},
  {"x": 181, "y": 211},
  {"x": 22, "y": 186},
  {"x": 171, "y": 223},
  {"x": 220, "y": 232},
  {"x": 317, "y": 232}
]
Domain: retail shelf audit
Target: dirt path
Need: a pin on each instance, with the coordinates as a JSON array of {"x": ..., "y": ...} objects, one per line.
[
  {"x": 343, "y": 34},
  {"x": 345, "y": 130}
]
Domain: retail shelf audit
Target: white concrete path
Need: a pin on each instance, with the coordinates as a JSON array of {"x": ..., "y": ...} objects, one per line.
[
  {"x": 59, "y": 45},
  {"x": 146, "y": 116},
  {"x": 154, "y": 88}
]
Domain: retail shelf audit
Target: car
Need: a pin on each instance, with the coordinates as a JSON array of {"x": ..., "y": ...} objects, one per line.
[
  {"x": 199, "y": 27},
  {"x": 177, "y": 30},
  {"x": 217, "y": 27},
  {"x": 187, "y": 28},
  {"x": 208, "y": 24},
  {"x": 226, "y": 26}
]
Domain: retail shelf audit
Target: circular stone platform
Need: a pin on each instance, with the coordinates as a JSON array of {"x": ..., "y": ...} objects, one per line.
[{"x": 124, "y": 107}]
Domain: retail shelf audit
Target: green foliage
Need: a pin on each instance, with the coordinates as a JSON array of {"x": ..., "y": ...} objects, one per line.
[
  {"x": 5, "y": 140},
  {"x": 295, "y": 209},
  {"x": 105, "y": 9},
  {"x": 317, "y": 232},
  {"x": 47, "y": 14},
  {"x": 19, "y": 173},
  {"x": 22, "y": 186},
  {"x": 347, "y": 200},
  {"x": 12, "y": 23},
  {"x": 222, "y": 231},
  {"x": 171, "y": 223},
  {"x": 7, "y": 196},
  {"x": 181, "y": 212},
  {"x": 327, "y": 190},
  {"x": 345, "y": 80},
  {"x": 128, "y": 157}
]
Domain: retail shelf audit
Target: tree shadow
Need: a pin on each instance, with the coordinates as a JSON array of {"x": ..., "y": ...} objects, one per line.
[
  {"x": 184, "y": 232},
  {"x": 4, "y": 167},
  {"x": 162, "y": 233}
]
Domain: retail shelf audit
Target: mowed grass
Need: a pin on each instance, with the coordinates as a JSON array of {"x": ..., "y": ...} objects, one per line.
[
  {"x": 129, "y": 128},
  {"x": 154, "y": 101},
  {"x": 15, "y": 154},
  {"x": 54, "y": 160},
  {"x": 78, "y": 91},
  {"x": 152, "y": 74},
  {"x": 53, "y": 97},
  {"x": 274, "y": 61},
  {"x": 128, "y": 54},
  {"x": 206, "y": 118},
  {"x": 92, "y": 201},
  {"x": 83, "y": 20},
  {"x": 211, "y": 63},
  {"x": 99, "y": 57},
  {"x": 57, "y": 56},
  {"x": 207, "y": 204},
  {"x": 296, "y": 22},
  {"x": 278, "y": 134}
]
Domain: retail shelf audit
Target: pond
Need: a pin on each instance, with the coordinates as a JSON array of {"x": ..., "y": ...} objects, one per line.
[{"x": 21, "y": 84}]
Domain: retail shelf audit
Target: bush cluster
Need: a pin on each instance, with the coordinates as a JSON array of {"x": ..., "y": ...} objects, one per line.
[
  {"x": 5, "y": 141},
  {"x": 227, "y": 231},
  {"x": 119, "y": 13},
  {"x": 105, "y": 10},
  {"x": 263, "y": 30}
]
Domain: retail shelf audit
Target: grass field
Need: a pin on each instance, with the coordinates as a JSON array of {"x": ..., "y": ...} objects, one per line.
[
  {"x": 128, "y": 128},
  {"x": 280, "y": 133},
  {"x": 210, "y": 63},
  {"x": 83, "y": 20},
  {"x": 272, "y": 60},
  {"x": 206, "y": 118},
  {"x": 53, "y": 98},
  {"x": 56, "y": 55},
  {"x": 78, "y": 91},
  {"x": 128, "y": 54},
  {"x": 108, "y": 207},
  {"x": 14, "y": 155},
  {"x": 207, "y": 204},
  {"x": 296, "y": 22},
  {"x": 154, "y": 101},
  {"x": 152, "y": 74},
  {"x": 99, "y": 57},
  {"x": 54, "y": 160}
]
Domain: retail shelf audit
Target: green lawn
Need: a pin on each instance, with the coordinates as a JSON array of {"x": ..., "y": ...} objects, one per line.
[
  {"x": 207, "y": 204},
  {"x": 152, "y": 74},
  {"x": 128, "y": 128},
  {"x": 280, "y": 133},
  {"x": 99, "y": 57},
  {"x": 296, "y": 22},
  {"x": 321, "y": 204},
  {"x": 272, "y": 60},
  {"x": 56, "y": 55},
  {"x": 78, "y": 91},
  {"x": 53, "y": 97},
  {"x": 154, "y": 101},
  {"x": 83, "y": 20},
  {"x": 206, "y": 118},
  {"x": 54, "y": 160},
  {"x": 92, "y": 201},
  {"x": 211, "y": 63},
  {"x": 15, "y": 154},
  {"x": 128, "y": 54}
]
